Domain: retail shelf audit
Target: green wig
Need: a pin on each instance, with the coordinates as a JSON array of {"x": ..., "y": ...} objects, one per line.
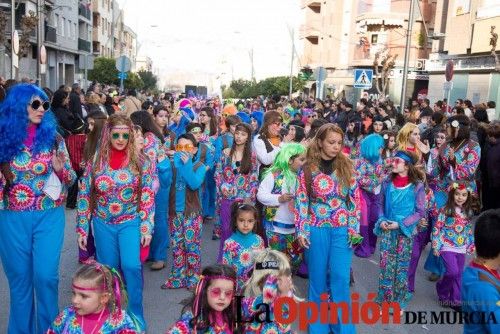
[{"x": 282, "y": 162}]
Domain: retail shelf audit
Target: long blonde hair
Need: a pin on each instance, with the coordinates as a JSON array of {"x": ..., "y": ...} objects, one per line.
[
  {"x": 403, "y": 138},
  {"x": 342, "y": 165}
]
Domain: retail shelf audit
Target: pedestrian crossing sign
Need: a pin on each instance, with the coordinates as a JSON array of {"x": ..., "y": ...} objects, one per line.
[{"x": 363, "y": 78}]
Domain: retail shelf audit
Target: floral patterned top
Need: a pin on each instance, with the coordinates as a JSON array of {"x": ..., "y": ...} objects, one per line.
[
  {"x": 183, "y": 326},
  {"x": 116, "y": 197},
  {"x": 67, "y": 323},
  {"x": 238, "y": 252},
  {"x": 369, "y": 175},
  {"x": 30, "y": 174},
  {"x": 453, "y": 232},
  {"x": 154, "y": 149},
  {"x": 434, "y": 179},
  {"x": 329, "y": 205},
  {"x": 231, "y": 184}
]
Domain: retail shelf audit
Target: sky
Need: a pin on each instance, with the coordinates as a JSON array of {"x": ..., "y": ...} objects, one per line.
[{"x": 207, "y": 39}]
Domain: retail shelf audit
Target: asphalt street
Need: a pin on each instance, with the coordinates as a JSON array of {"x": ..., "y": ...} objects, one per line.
[{"x": 162, "y": 307}]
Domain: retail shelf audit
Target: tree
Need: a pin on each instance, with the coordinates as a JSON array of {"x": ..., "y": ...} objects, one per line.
[
  {"x": 387, "y": 61},
  {"x": 134, "y": 81},
  {"x": 104, "y": 71},
  {"x": 149, "y": 79}
]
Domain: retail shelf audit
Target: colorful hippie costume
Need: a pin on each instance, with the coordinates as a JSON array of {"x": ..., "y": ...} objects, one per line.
[
  {"x": 185, "y": 222},
  {"x": 232, "y": 185},
  {"x": 327, "y": 214},
  {"x": 404, "y": 203},
  {"x": 370, "y": 175},
  {"x": 111, "y": 319},
  {"x": 31, "y": 212},
  {"x": 117, "y": 197},
  {"x": 183, "y": 107},
  {"x": 279, "y": 220}
]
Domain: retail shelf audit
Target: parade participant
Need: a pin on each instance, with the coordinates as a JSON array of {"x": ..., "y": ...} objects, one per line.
[
  {"x": 257, "y": 118},
  {"x": 389, "y": 145},
  {"x": 459, "y": 158},
  {"x": 35, "y": 172},
  {"x": 452, "y": 238},
  {"x": 116, "y": 194},
  {"x": 408, "y": 139},
  {"x": 239, "y": 248},
  {"x": 403, "y": 205},
  {"x": 160, "y": 114},
  {"x": 212, "y": 308},
  {"x": 422, "y": 237},
  {"x": 370, "y": 174},
  {"x": 267, "y": 144},
  {"x": 271, "y": 278},
  {"x": 236, "y": 178},
  {"x": 378, "y": 125},
  {"x": 206, "y": 155},
  {"x": 327, "y": 213},
  {"x": 185, "y": 215},
  {"x": 98, "y": 303},
  {"x": 277, "y": 192},
  {"x": 353, "y": 137},
  {"x": 481, "y": 278},
  {"x": 154, "y": 149},
  {"x": 181, "y": 117},
  {"x": 225, "y": 140}
]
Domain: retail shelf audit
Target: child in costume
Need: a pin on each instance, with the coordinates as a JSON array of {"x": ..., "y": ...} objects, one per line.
[
  {"x": 239, "y": 249},
  {"x": 236, "y": 178},
  {"x": 370, "y": 172},
  {"x": 117, "y": 197},
  {"x": 452, "y": 238},
  {"x": 185, "y": 215},
  {"x": 212, "y": 308},
  {"x": 98, "y": 303},
  {"x": 271, "y": 279},
  {"x": 403, "y": 205},
  {"x": 481, "y": 278},
  {"x": 35, "y": 172},
  {"x": 277, "y": 192}
]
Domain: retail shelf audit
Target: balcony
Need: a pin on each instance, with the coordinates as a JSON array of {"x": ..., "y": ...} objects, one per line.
[
  {"x": 310, "y": 31},
  {"x": 314, "y": 5},
  {"x": 50, "y": 34},
  {"x": 84, "y": 11},
  {"x": 83, "y": 45}
]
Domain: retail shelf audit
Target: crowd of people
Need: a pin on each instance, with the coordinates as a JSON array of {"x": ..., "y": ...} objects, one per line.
[{"x": 292, "y": 187}]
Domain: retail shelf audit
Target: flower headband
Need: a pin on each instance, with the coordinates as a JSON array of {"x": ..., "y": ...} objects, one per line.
[{"x": 459, "y": 186}]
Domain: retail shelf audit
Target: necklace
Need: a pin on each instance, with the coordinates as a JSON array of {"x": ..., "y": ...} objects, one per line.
[
  {"x": 97, "y": 323},
  {"x": 459, "y": 145}
]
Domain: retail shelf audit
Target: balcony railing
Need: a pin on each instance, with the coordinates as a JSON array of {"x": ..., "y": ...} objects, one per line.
[
  {"x": 84, "y": 11},
  {"x": 50, "y": 34},
  {"x": 83, "y": 45}
]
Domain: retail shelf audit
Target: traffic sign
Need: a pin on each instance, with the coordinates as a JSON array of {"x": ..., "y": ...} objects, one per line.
[
  {"x": 448, "y": 74},
  {"x": 448, "y": 85},
  {"x": 123, "y": 64},
  {"x": 123, "y": 75},
  {"x": 319, "y": 74},
  {"x": 363, "y": 78}
]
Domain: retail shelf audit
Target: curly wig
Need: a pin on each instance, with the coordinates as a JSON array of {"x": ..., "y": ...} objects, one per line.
[{"x": 14, "y": 122}]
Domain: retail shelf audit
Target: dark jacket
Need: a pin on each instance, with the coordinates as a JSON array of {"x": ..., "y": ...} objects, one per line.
[{"x": 75, "y": 105}]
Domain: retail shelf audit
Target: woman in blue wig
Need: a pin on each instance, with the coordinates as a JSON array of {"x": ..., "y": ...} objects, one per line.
[
  {"x": 370, "y": 175},
  {"x": 35, "y": 174}
]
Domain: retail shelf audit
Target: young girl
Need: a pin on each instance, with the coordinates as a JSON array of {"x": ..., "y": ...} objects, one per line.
[
  {"x": 185, "y": 215},
  {"x": 236, "y": 178},
  {"x": 271, "y": 278},
  {"x": 452, "y": 238},
  {"x": 403, "y": 202},
  {"x": 212, "y": 309},
  {"x": 370, "y": 175},
  {"x": 277, "y": 192},
  {"x": 98, "y": 300},
  {"x": 238, "y": 249}
]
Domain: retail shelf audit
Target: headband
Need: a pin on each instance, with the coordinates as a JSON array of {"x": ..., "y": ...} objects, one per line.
[
  {"x": 120, "y": 127},
  {"x": 403, "y": 155},
  {"x": 267, "y": 265},
  {"x": 459, "y": 186}
]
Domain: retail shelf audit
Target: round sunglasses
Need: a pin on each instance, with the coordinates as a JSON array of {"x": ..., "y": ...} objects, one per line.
[
  {"x": 117, "y": 135},
  {"x": 37, "y": 103}
]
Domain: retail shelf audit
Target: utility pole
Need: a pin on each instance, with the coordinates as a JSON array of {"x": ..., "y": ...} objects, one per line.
[
  {"x": 292, "y": 35},
  {"x": 39, "y": 42},
  {"x": 407, "y": 54},
  {"x": 250, "y": 53},
  {"x": 12, "y": 28}
]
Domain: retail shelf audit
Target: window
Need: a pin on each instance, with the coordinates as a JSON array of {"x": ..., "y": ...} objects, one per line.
[
  {"x": 56, "y": 23},
  {"x": 103, "y": 25},
  {"x": 63, "y": 25},
  {"x": 73, "y": 31},
  {"x": 374, "y": 39},
  {"x": 67, "y": 28}
]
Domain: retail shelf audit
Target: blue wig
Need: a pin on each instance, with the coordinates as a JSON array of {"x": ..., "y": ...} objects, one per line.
[
  {"x": 259, "y": 117},
  {"x": 370, "y": 147},
  {"x": 244, "y": 117},
  {"x": 14, "y": 122}
]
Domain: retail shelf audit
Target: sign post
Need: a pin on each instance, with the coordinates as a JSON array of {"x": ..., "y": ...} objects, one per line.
[
  {"x": 320, "y": 75},
  {"x": 122, "y": 65}
]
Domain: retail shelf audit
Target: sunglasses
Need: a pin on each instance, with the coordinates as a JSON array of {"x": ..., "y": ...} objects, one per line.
[
  {"x": 184, "y": 148},
  {"x": 195, "y": 131},
  {"x": 217, "y": 292},
  {"x": 37, "y": 103},
  {"x": 116, "y": 136}
]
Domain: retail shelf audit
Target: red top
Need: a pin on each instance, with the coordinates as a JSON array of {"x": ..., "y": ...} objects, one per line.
[
  {"x": 92, "y": 323},
  {"x": 117, "y": 158},
  {"x": 400, "y": 181},
  {"x": 494, "y": 273}
]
